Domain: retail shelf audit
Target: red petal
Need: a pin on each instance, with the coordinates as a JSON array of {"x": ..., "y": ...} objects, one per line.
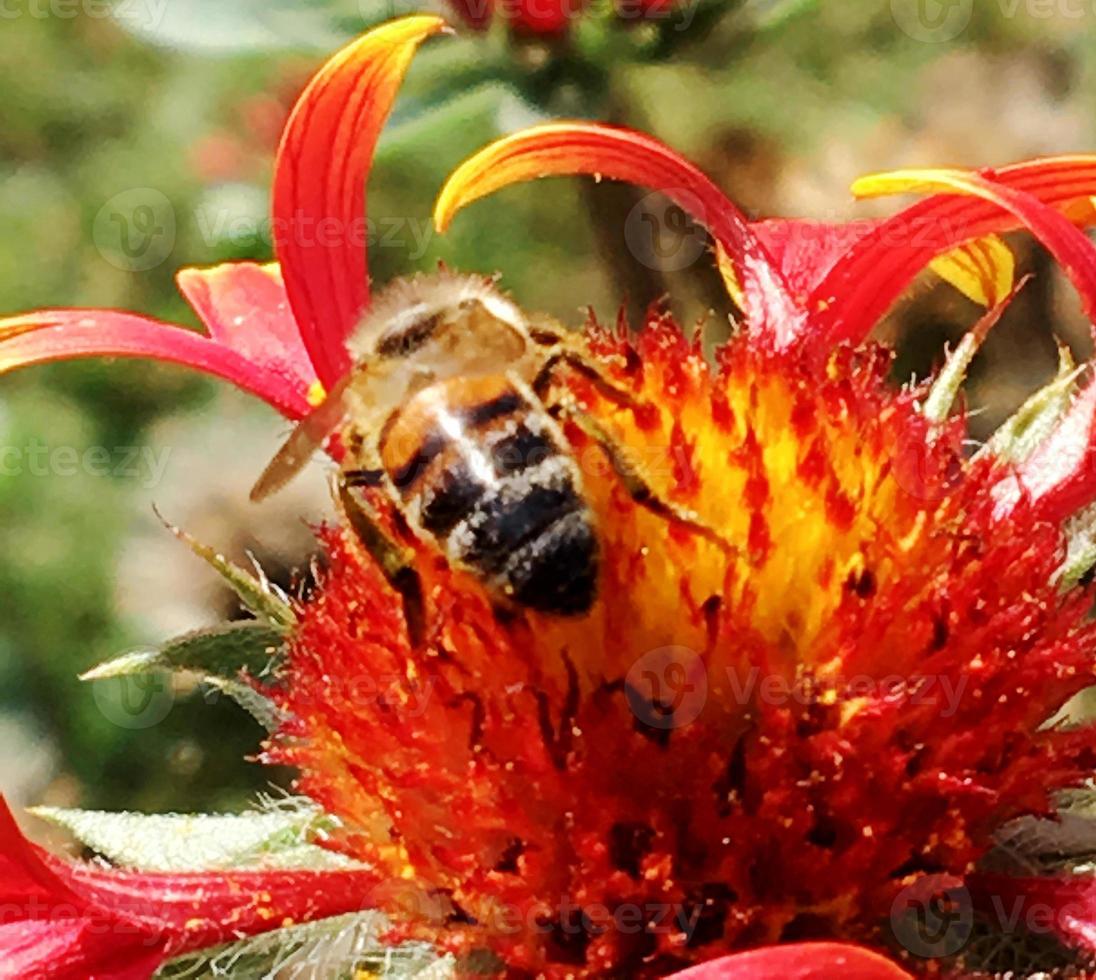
[
  {"x": 319, "y": 184},
  {"x": 199, "y": 909},
  {"x": 806, "y": 250},
  {"x": 65, "y": 920},
  {"x": 245, "y": 308},
  {"x": 52, "y": 932},
  {"x": 804, "y": 961},
  {"x": 58, "y": 335},
  {"x": 622, "y": 154},
  {"x": 861, "y": 287}
]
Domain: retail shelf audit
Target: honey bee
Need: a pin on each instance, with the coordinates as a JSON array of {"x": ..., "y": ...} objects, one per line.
[{"x": 444, "y": 409}]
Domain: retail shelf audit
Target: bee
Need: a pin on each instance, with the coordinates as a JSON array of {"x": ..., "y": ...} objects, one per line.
[{"x": 444, "y": 409}]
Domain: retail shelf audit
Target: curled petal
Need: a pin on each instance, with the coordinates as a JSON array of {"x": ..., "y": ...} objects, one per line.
[
  {"x": 863, "y": 284},
  {"x": 1068, "y": 245},
  {"x": 245, "y": 308},
  {"x": 62, "y": 919},
  {"x": 800, "y": 961},
  {"x": 319, "y": 184},
  {"x": 58, "y": 335},
  {"x": 621, "y": 154}
]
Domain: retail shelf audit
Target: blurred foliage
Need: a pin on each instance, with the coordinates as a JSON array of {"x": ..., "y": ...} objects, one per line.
[{"x": 188, "y": 103}]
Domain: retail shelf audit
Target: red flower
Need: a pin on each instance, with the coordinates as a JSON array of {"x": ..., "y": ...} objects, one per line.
[
  {"x": 536, "y": 773},
  {"x": 549, "y": 18}
]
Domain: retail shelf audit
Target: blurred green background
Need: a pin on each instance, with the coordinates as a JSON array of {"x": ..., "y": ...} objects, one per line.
[{"x": 160, "y": 120}]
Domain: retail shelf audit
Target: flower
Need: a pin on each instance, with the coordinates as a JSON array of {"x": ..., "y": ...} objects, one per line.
[
  {"x": 782, "y": 718},
  {"x": 549, "y": 18}
]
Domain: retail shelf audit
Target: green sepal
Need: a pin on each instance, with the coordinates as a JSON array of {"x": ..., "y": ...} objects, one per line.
[
  {"x": 1033, "y": 421},
  {"x": 257, "y": 594},
  {"x": 937, "y": 405},
  {"x": 343, "y": 946},
  {"x": 218, "y": 657},
  {"x": 220, "y": 651},
  {"x": 280, "y": 837}
]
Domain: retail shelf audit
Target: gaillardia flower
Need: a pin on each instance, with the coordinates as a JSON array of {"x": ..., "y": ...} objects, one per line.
[{"x": 816, "y": 674}]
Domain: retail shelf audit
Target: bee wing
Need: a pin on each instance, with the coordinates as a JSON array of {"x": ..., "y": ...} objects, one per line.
[{"x": 309, "y": 435}]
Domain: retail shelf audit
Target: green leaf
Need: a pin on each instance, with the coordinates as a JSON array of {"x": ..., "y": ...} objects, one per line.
[
  {"x": 281, "y": 837},
  {"x": 341, "y": 947},
  {"x": 257, "y": 594}
]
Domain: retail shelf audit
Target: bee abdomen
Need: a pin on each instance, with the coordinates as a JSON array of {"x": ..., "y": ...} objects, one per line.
[
  {"x": 531, "y": 535},
  {"x": 491, "y": 481}
]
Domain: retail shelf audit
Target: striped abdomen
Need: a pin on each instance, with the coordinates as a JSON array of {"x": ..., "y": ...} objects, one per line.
[{"x": 481, "y": 469}]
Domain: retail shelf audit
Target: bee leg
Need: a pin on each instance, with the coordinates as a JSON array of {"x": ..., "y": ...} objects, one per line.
[
  {"x": 575, "y": 358},
  {"x": 394, "y": 562},
  {"x": 629, "y": 474}
]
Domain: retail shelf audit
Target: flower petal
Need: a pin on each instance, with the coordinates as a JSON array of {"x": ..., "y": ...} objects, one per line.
[
  {"x": 864, "y": 283},
  {"x": 62, "y": 919},
  {"x": 244, "y": 306},
  {"x": 48, "y": 930},
  {"x": 319, "y": 184},
  {"x": 58, "y": 335},
  {"x": 622, "y": 154},
  {"x": 801, "y": 961},
  {"x": 1069, "y": 245},
  {"x": 805, "y": 251},
  {"x": 983, "y": 270}
]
